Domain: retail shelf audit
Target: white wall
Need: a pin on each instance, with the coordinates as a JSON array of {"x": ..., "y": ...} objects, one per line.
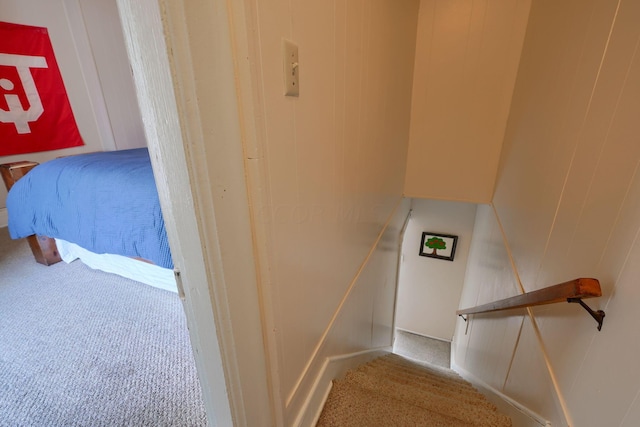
[
  {"x": 104, "y": 31},
  {"x": 89, "y": 48},
  {"x": 364, "y": 320},
  {"x": 330, "y": 170},
  {"x": 429, "y": 289},
  {"x": 466, "y": 61},
  {"x": 568, "y": 200}
]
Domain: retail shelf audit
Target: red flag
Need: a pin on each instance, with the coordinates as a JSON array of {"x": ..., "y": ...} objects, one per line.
[{"x": 35, "y": 113}]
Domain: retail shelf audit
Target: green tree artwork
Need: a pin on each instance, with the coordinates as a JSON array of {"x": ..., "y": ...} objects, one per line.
[
  {"x": 435, "y": 243},
  {"x": 438, "y": 245}
]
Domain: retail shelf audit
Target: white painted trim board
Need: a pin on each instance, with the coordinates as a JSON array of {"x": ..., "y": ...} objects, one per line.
[
  {"x": 145, "y": 38},
  {"x": 333, "y": 368},
  {"x": 224, "y": 321}
]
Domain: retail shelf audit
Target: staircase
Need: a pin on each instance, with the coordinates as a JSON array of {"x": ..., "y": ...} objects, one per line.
[{"x": 395, "y": 391}]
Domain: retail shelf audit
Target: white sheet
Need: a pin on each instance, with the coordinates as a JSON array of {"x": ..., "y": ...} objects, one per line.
[{"x": 139, "y": 271}]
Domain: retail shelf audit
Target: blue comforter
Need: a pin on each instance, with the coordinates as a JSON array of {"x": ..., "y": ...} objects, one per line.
[{"x": 105, "y": 202}]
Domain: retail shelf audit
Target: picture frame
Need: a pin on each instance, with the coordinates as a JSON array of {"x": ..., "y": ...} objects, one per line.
[{"x": 438, "y": 245}]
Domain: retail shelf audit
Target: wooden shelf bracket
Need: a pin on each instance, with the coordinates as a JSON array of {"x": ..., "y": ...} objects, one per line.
[{"x": 598, "y": 315}]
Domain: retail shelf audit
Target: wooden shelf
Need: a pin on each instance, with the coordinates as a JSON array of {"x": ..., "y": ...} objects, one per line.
[{"x": 573, "y": 289}]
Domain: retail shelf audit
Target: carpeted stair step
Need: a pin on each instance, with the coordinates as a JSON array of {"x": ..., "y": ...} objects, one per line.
[
  {"x": 463, "y": 392},
  {"x": 473, "y": 410},
  {"x": 399, "y": 363},
  {"x": 431, "y": 378},
  {"x": 416, "y": 395},
  {"x": 417, "y": 366},
  {"x": 376, "y": 410},
  {"x": 418, "y": 388},
  {"x": 398, "y": 369}
]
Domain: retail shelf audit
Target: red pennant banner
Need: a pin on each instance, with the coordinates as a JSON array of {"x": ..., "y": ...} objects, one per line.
[{"x": 35, "y": 113}]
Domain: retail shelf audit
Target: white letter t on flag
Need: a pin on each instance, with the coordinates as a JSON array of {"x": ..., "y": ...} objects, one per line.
[{"x": 16, "y": 114}]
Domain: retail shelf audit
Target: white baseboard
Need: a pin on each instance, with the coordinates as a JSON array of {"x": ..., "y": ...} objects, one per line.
[
  {"x": 4, "y": 217},
  {"x": 333, "y": 368},
  {"x": 520, "y": 415}
]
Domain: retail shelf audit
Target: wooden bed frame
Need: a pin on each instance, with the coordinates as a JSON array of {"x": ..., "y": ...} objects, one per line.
[{"x": 44, "y": 248}]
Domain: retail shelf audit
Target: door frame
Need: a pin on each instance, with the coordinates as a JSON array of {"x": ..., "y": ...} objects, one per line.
[{"x": 182, "y": 57}]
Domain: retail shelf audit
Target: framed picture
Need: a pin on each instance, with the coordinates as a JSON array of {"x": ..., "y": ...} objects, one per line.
[{"x": 438, "y": 245}]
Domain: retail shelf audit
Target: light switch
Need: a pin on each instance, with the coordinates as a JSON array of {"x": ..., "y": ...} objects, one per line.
[{"x": 291, "y": 68}]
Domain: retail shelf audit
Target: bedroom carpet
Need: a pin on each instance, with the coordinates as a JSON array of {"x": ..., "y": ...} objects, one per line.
[{"x": 80, "y": 347}]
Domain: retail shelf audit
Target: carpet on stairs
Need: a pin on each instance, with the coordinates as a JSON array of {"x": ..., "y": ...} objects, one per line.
[{"x": 395, "y": 391}]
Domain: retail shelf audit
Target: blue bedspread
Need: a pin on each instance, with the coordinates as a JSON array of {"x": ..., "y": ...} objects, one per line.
[{"x": 105, "y": 202}]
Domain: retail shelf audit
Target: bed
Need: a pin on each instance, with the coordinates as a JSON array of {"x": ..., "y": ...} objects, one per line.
[{"x": 100, "y": 207}]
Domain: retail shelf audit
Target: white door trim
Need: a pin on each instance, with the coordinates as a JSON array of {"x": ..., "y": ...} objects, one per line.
[{"x": 196, "y": 151}]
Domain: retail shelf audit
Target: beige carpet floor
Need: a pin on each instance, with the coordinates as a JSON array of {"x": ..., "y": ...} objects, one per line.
[
  {"x": 395, "y": 391},
  {"x": 84, "y": 348}
]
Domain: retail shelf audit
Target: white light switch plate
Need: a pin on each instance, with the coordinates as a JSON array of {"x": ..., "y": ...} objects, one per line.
[{"x": 291, "y": 68}]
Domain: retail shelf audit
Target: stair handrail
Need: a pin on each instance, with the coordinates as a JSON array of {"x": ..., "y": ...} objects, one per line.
[{"x": 572, "y": 291}]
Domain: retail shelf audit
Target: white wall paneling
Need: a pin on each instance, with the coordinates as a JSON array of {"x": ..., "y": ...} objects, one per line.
[
  {"x": 367, "y": 304},
  {"x": 568, "y": 200},
  {"x": 329, "y": 173},
  {"x": 490, "y": 345}
]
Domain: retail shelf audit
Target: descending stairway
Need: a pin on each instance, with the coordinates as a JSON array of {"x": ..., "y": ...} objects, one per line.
[{"x": 394, "y": 391}]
